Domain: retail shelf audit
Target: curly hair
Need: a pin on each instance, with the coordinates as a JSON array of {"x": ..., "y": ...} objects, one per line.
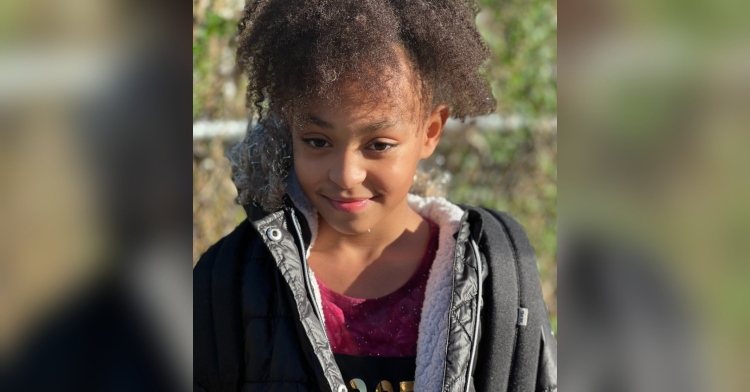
[{"x": 296, "y": 50}]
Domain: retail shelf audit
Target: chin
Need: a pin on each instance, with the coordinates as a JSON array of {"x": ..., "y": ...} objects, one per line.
[{"x": 348, "y": 226}]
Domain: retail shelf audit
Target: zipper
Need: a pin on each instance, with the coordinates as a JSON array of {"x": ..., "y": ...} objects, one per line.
[
  {"x": 306, "y": 269},
  {"x": 308, "y": 287}
]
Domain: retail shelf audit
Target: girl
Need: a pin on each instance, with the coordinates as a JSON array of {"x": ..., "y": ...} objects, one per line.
[{"x": 341, "y": 279}]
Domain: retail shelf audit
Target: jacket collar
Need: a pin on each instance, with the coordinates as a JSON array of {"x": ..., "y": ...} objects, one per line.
[{"x": 456, "y": 227}]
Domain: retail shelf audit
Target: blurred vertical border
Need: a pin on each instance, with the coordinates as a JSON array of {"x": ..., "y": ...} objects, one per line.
[
  {"x": 654, "y": 272},
  {"x": 94, "y": 210}
]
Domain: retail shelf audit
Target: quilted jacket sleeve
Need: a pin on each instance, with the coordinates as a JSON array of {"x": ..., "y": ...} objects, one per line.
[
  {"x": 204, "y": 346},
  {"x": 217, "y": 334}
]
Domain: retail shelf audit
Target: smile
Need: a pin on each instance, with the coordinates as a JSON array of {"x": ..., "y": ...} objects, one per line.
[{"x": 349, "y": 205}]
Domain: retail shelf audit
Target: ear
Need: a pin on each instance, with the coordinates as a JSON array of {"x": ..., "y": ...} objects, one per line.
[{"x": 433, "y": 127}]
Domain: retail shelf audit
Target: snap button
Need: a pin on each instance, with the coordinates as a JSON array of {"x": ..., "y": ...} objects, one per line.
[
  {"x": 274, "y": 234},
  {"x": 342, "y": 388}
]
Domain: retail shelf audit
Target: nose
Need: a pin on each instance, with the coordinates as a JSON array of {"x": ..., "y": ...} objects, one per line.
[{"x": 348, "y": 171}]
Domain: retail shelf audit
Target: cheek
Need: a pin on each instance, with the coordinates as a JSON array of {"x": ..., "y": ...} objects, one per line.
[
  {"x": 397, "y": 175},
  {"x": 307, "y": 170},
  {"x": 302, "y": 162},
  {"x": 299, "y": 160}
]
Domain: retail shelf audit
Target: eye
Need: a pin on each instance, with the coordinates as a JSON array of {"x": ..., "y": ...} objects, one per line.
[
  {"x": 380, "y": 146},
  {"x": 316, "y": 142}
]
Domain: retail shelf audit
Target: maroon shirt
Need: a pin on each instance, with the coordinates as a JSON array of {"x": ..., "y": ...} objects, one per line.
[{"x": 386, "y": 326}]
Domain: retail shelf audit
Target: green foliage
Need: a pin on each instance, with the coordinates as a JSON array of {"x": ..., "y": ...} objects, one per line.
[
  {"x": 215, "y": 31},
  {"x": 522, "y": 35}
]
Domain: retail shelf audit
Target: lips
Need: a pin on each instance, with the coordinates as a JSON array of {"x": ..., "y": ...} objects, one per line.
[{"x": 349, "y": 205}]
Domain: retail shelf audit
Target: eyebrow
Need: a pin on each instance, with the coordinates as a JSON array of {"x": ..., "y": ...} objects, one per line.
[
  {"x": 319, "y": 122},
  {"x": 376, "y": 126}
]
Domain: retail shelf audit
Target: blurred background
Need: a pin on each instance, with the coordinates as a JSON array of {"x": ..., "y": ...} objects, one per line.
[
  {"x": 507, "y": 161},
  {"x": 95, "y": 293},
  {"x": 654, "y": 217}
]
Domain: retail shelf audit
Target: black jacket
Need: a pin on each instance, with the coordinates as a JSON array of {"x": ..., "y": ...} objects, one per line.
[{"x": 257, "y": 325}]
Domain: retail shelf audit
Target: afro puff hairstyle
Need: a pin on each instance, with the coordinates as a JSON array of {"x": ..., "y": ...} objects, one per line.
[{"x": 296, "y": 50}]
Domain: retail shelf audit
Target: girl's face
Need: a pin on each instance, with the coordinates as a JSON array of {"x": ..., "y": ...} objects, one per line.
[{"x": 355, "y": 159}]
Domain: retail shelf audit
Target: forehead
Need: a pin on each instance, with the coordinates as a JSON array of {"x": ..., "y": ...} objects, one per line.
[
  {"x": 353, "y": 105},
  {"x": 392, "y": 94},
  {"x": 357, "y": 102}
]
